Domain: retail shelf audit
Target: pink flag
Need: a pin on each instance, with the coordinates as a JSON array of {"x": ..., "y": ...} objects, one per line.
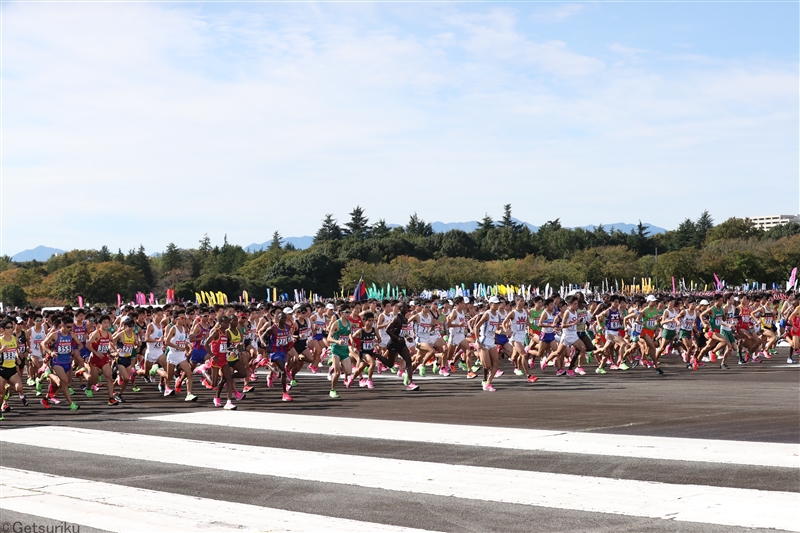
[
  {"x": 119, "y": 300},
  {"x": 673, "y": 285},
  {"x": 80, "y": 301},
  {"x": 152, "y": 299},
  {"x": 793, "y": 276}
]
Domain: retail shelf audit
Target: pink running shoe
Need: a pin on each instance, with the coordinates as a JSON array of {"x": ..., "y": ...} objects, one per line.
[
  {"x": 498, "y": 373},
  {"x": 443, "y": 372},
  {"x": 313, "y": 369},
  {"x": 570, "y": 373},
  {"x": 580, "y": 371},
  {"x": 614, "y": 367},
  {"x": 286, "y": 397},
  {"x": 217, "y": 402},
  {"x": 411, "y": 386},
  {"x": 543, "y": 363},
  {"x": 489, "y": 388},
  {"x": 348, "y": 381},
  {"x": 560, "y": 372},
  {"x": 369, "y": 384},
  {"x": 532, "y": 378},
  {"x": 269, "y": 380},
  {"x": 238, "y": 395},
  {"x": 362, "y": 383}
]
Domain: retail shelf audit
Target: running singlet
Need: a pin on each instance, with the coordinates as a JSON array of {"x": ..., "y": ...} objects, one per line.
[
  {"x": 198, "y": 344},
  {"x": 36, "y": 342},
  {"x": 128, "y": 344},
  {"x": 235, "y": 341},
  {"x": 520, "y": 323},
  {"x": 303, "y": 330},
  {"x": 534, "y": 320},
  {"x": 650, "y": 320},
  {"x": 101, "y": 344},
  {"x": 280, "y": 341},
  {"x": 343, "y": 333},
  {"x": 670, "y": 323},
  {"x": 716, "y": 318},
  {"x": 613, "y": 321},
  {"x": 10, "y": 355},
  {"x": 367, "y": 342},
  {"x": 687, "y": 322},
  {"x": 63, "y": 349},
  {"x": 489, "y": 327}
]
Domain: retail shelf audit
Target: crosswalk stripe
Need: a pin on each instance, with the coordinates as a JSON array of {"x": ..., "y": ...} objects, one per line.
[
  {"x": 127, "y": 509},
  {"x": 693, "y": 503},
  {"x": 646, "y": 447}
]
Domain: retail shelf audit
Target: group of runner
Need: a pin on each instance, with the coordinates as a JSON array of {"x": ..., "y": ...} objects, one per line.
[{"x": 58, "y": 351}]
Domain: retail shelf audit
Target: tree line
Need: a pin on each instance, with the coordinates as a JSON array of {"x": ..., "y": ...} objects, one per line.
[{"x": 415, "y": 257}]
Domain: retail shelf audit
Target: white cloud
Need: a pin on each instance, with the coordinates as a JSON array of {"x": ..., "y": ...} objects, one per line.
[{"x": 267, "y": 117}]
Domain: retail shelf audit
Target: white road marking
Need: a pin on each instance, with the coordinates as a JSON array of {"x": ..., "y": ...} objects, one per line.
[
  {"x": 693, "y": 503},
  {"x": 645, "y": 447},
  {"x": 131, "y": 510}
]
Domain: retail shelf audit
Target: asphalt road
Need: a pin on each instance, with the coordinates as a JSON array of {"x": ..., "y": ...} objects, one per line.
[{"x": 757, "y": 403}]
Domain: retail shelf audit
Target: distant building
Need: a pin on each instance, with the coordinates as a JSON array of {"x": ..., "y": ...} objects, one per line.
[{"x": 771, "y": 221}]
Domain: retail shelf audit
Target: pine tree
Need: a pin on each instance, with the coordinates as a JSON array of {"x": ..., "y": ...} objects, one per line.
[
  {"x": 104, "y": 254},
  {"x": 358, "y": 227},
  {"x": 330, "y": 230},
  {"x": 138, "y": 259},
  {"x": 380, "y": 229},
  {"x": 417, "y": 226},
  {"x": 205, "y": 244},
  {"x": 507, "y": 221},
  {"x": 172, "y": 258},
  {"x": 703, "y": 224},
  {"x": 275, "y": 243}
]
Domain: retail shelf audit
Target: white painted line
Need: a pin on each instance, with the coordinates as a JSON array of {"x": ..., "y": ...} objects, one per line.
[
  {"x": 130, "y": 510},
  {"x": 692, "y": 503},
  {"x": 645, "y": 447}
]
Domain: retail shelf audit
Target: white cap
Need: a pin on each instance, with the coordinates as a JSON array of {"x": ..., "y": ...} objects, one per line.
[
  {"x": 287, "y": 311},
  {"x": 703, "y": 302},
  {"x": 330, "y": 306},
  {"x": 466, "y": 299},
  {"x": 296, "y": 306},
  {"x": 412, "y": 303},
  {"x": 651, "y": 298},
  {"x": 494, "y": 300}
]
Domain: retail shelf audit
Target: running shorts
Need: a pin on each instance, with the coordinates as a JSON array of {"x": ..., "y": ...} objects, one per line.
[
  {"x": 198, "y": 356},
  {"x": 278, "y": 356},
  {"x": 99, "y": 362},
  {"x": 7, "y": 373},
  {"x": 685, "y": 334},
  {"x": 124, "y": 361},
  {"x": 668, "y": 334}
]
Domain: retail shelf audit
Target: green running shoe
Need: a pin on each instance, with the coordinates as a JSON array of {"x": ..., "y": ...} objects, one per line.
[
  {"x": 463, "y": 366},
  {"x": 393, "y": 370},
  {"x": 71, "y": 390},
  {"x": 435, "y": 368},
  {"x": 406, "y": 379},
  {"x": 74, "y": 406},
  {"x": 333, "y": 394},
  {"x": 475, "y": 368},
  {"x": 153, "y": 370},
  {"x": 30, "y": 382},
  {"x": 89, "y": 393},
  {"x": 624, "y": 366},
  {"x": 38, "y": 388},
  {"x": 135, "y": 389},
  {"x": 293, "y": 383},
  {"x": 190, "y": 398},
  {"x": 422, "y": 371}
]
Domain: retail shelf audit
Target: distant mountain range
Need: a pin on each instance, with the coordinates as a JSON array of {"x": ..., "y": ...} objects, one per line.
[
  {"x": 40, "y": 253},
  {"x": 43, "y": 253}
]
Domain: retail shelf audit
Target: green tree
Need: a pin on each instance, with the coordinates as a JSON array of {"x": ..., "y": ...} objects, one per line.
[
  {"x": 275, "y": 243},
  {"x": 703, "y": 225},
  {"x": 734, "y": 228},
  {"x": 457, "y": 243},
  {"x": 104, "y": 254},
  {"x": 380, "y": 230},
  {"x": 172, "y": 259},
  {"x": 330, "y": 230},
  {"x": 138, "y": 259},
  {"x": 686, "y": 234},
  {"x": 683, "y": 264},
  {"x": 108, "y": 279},
  {"x": 417, "y": 226},
  {"x": 13, "y": 295},
  {"x": 358, "y": 226},
  {"x": 507, "y": 221},
  {"x": 784, "y": 230}
]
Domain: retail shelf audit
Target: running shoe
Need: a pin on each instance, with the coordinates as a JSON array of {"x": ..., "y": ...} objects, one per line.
[
  {"x": 475, "y": 368},
  {"x": 238, "y": 395},
  {"x": 790, "y": 361},
  {"x": 713, "y": 357},
  {"x": 313, "y": 369},
  {"x": 286, "y": 397},
  {"x": 636, "y": 362},
  {"x": 119, "y": 398},
  {"x": 160, "y": 387},
  {"x": 543, "y": 363},
  {"x": 600, "y": 370},
  {"x": 724, "y": 366},
  {"x": 488, "y": 388},
  {"x": 463, "y": 366},
  {"x": 624, "y": 366},
  {"x": 369, "y": 384},
  {"x": 412, "y": 387},
  {"x": 443, "y": 372},
  {"x": 560, "y": 372},
  {"x": 270, "y": 379},
  {"x": 113, "y": 401},
  {"x": 153, "y": 370},
  {"x": 393, "y": 370},
  {"x": 694, "y": 363},
  {"x": 45, "y": 403},
  {"x": 190, "y": 398},
  {"x": 248, "y": 388},
  {"x": 498, "y": 373},
  {"x": 168, "y": 391},
  {"x": 74, "y": 406},
  {"x": 30, "y": 382},
  {"x": 217, "y": 402},
  {"x": 742, "y": 361},
  {"x": 422, "y": 371},
  {"x": 362, "y": 382},
  {"x": 580, "y": 370},
  {"x": 38, "y": 388},
  {"x": 206, "y": 384},
  {"x": 471, "y": 375},
  {"x": 293, "y": 383},
  {"x": 135, "y": 389},
  {"x": 406, "y": 380},
  {"x": 518, "y": 372},
  {"x": 755, "y": 359},
  {"x": 570, "y": 373},
  {"x": 435, "y": 368},
  {"x": 71, "y": 390},
  {"x": 659, "y": 371},
  {"x": 348, "y": 381},
  {"x": 177, "y": 387},
  {"x": 532, "y": 379},
  {"x": 229, "y": 406},
  {"x": 333, "y": 394},
  {"x": 24, "y": 401}
]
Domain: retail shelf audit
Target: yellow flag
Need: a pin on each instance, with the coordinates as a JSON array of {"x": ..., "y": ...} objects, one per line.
[
  {"x": 198, "y": 298},
  {"x": 245, "y": 297},
  {"x": 274, "y": 294}
]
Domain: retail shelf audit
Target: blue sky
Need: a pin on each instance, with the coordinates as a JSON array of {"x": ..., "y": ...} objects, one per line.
[{"x": 265, "y": 117}]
